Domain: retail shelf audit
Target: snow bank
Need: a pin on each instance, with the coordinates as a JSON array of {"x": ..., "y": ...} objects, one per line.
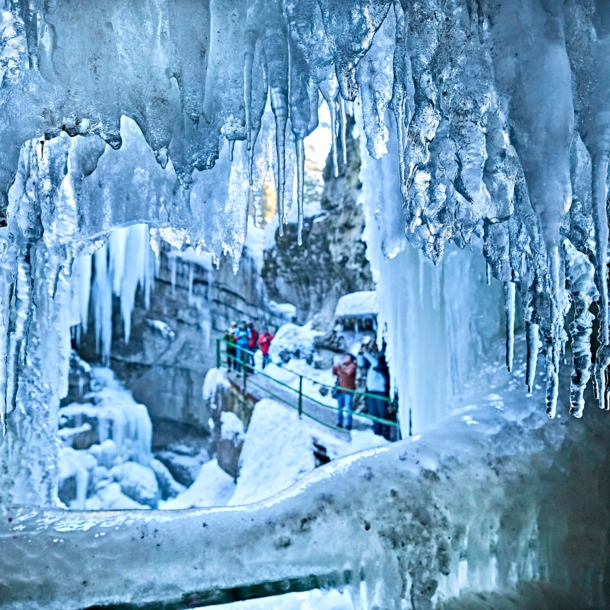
[
  {"x": 231, "y": 428},
  {"x": 358, "y": 304},
  {"x": 213, "y": 487}
]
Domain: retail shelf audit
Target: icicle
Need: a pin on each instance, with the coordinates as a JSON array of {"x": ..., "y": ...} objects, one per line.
[
  {"x": 172, "y": 271},
  {"x": 280, "y": 111},
  {"x": 600, "y": 219},
  {"x": 330, "y": 91},
  {"x": 580, "y": 281},
  {"x": 343, "y": 129},
  {"x": 556, "y": 335},
  {"x": 509, "y": 311},
  {"x": 300, "y": 146},
  {"x": 18, "y": 334},
  {"x": 532, "y": 338},
  {"x": 488, "y": 273},
  {"x": 191, "y": 280}
]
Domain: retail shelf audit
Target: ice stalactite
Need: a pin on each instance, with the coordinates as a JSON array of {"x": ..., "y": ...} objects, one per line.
[
  {"x": 509, "y": 312},
  {"x": 487, "y": 108},
  {"x": 532, "y": 337}
]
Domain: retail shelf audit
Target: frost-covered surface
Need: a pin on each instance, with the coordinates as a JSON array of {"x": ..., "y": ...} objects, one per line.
[
  {"x": 478, "y": 504},
  {"x": 358, "y": 304}
]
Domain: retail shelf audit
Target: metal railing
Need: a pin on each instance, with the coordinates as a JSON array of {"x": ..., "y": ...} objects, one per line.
[{"x": 240, "y": 360}]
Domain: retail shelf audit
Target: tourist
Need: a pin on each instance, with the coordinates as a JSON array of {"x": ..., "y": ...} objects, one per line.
[
  {"x": 345, "y": 372},
  {"x": 229, "y": 340},
  {"x": 253, "y": 344},
  {"x": 370, "y": 358},
  {"x": 264, "y": 342},
  {"x": 242, "y": 340}
]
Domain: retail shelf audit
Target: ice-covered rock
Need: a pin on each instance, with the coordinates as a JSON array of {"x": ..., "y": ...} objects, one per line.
[
  {"x": 183, "y": 461},
  {"x": 137, "y": 482},
  {"x": 169, "y": 487},
  {"x": 113, "y": 415},
  {"x": 108, "y": 496}
]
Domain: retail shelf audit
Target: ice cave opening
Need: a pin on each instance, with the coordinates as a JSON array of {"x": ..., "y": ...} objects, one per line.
[{"x": 304, "y": 304}]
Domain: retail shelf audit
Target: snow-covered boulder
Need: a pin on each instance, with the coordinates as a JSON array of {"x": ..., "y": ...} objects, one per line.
[
  {"x": 138, "y": 483},
  {"x": 293, "y": 341},
  {"x": 109, "y": 496},
  {"x": 213, "y": 487}
]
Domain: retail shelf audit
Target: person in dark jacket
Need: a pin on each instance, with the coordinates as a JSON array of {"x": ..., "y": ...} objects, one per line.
[
  {"x": 370, "y": 358},
  {"x": 229, "y": 339},
  {"x": 346, "y": 382}
]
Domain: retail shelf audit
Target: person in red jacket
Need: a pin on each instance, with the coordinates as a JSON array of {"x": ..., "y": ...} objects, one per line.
[
  {"x": 264, "y": 342},
  {"x": 253, "y": 341},
  {"x": 346, "y": 381}
]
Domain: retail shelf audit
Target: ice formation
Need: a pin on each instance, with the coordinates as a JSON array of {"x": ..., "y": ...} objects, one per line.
[{"x": 499, "y": 112}]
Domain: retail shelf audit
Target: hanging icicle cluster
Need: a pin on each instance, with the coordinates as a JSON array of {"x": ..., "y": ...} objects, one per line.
[{"x": 501, "y": 110}]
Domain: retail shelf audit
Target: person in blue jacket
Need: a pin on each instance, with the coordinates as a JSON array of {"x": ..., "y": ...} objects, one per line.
[{"x": 242, "y": 341}]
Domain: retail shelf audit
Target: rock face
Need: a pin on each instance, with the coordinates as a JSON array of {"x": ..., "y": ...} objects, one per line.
[{"x": 332, "y": 260}]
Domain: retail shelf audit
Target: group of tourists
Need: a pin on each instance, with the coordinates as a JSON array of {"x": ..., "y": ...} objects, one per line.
[
  {"x": 372, "y": 360},
  {"x": 242, "y": 341}
]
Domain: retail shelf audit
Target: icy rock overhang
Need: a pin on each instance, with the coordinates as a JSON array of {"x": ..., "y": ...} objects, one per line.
[
  {"x": 501, "y": 109},
  {"x": 480, "y": 504}
]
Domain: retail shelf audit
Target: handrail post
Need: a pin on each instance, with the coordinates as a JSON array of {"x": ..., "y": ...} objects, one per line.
[
  {"x": 300, "y": 395},
  {"x": 218, "y": 352}
]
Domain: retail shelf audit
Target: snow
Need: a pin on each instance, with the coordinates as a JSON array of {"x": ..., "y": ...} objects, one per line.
[
  {"x": 215, "y": 379},
  {"x": 357, "y": 304},
  {"x": 278, "y": 451},
  {"x": 137, "y": 482},
  {"x": 213, "y": 487},
  {"x": 285, "y": 310},
  {"x": 294, "y": 340},
  {"x": 231, "y": 428},
  {"x": 163, "y": 327}
]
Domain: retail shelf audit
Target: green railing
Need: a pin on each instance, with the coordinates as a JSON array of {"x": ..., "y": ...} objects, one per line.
[{"x": 244, "y": 370}]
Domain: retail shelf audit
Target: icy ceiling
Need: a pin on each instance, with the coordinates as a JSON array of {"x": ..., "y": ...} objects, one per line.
[{"x": 502, "y": 111}]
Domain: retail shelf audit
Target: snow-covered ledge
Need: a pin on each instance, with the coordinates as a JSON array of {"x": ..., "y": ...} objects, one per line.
[{"x": 493, "y": 498}]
